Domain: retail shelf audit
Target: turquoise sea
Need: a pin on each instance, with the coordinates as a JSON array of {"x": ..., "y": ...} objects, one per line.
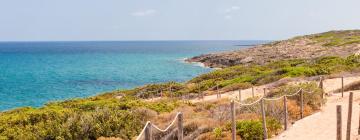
[{"x": 33, "y": 73}]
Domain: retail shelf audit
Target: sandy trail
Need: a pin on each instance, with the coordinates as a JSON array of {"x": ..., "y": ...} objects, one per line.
[
  {"x": 329, "y": 86},
  {"x": 322, "y": 125},
  {"x": 246, "y": 93},
  {"x": 332, "y": 84}
]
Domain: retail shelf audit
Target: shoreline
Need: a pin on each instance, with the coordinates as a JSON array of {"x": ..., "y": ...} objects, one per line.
[{"x": 199, "y": 64}]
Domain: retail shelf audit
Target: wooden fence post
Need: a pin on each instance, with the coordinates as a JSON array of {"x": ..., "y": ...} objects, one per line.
[
  {"x": 285, "y": 114},
  {"x": 180, "y": 126},
  {"x": 264, "y": 92},
  {"x": 359, "y": 125},
  {"x": 320, "y": 82},
  {"x": 240, "y": 95},
  {"x": 170, "y": 90},
  {"x": 200, "y": 93},
  {"x": 348, "y": 128},
  {"x": 321, "y": 85},
  {"x": 233, "y": 123},
  {"x": 263, "y": 118},
  {"x": 342, "y": 86},
  {"x": 148, "y": 133},
  {"x": 301, "y": 104},
  {"x": 217, "y": 91},
  {"x": 252, "y": 91},
  {"x": 338, "y": 122}
]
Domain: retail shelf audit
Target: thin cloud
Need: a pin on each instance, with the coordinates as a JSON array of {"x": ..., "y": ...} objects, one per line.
[
  {"x": 232, "y": 9},
  {"x": 229, "y": 12},
  {"x": 143, "y": 13},
  {"x": 228, "y": 17}
]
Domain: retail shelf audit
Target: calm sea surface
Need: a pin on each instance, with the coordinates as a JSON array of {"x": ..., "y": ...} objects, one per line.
[{"x": 33, "y": 73}]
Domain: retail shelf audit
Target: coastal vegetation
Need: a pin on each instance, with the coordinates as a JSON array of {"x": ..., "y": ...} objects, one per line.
[
  {"x": 106, "y": 115},
  {"x": 334, "y": 38},
  {"x": 81, "y": 118},
  {"x": 245, "y": 76},
  {"x": 122, "y": 114}
]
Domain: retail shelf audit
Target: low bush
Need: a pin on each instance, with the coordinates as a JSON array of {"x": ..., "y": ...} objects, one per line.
[
  {"x": 236, "y": 86},
  {"x": 249, "y": 129},
  {"x": 312, "y": 94},
  {"x": 218, "y": 132},
  {"x": 252, "y": 129},
  {"x": 87, "y": 118},
  {"x": 273, "y": 127}
]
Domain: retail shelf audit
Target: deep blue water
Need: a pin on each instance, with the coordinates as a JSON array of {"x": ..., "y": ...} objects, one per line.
[{"x": 33, "y": 73}]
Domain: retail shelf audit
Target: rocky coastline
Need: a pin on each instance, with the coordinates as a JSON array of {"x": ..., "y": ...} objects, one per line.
[{"x": 333, "y": 43}]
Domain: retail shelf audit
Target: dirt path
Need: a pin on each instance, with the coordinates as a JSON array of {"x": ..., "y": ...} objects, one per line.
[
  {"x": 329, "y": 86},
  {"x": 322, "y": 125},
  {"x": 246, "y": 93},
  {"x": 332, "y": 84}
]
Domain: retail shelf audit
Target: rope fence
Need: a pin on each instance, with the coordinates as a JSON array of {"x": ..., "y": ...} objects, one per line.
[
  {"x": 147, "y": 132},
  {"x": 274, "y": 106},
  {"x": 261, "y": 101}
]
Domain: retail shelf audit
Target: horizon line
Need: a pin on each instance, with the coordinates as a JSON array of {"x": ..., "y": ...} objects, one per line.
[{"x": 14, "y": 41}]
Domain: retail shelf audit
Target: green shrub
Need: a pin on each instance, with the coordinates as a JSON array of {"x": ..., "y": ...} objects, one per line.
[
  {"x": 237, "y": 86},
  {"x": 335, "y": 38},
  {"x": 297, "y": 71},
  {"x": 312, "y": 93},
  {"x": 218, "y": 132},
  {"x": 241, "y": 79},
  {"x": 273, "y": 126},
  {"x": 253, "y": 129},
  {"x": 249, "y": 129},
  {"x": 87, "y": 118}
]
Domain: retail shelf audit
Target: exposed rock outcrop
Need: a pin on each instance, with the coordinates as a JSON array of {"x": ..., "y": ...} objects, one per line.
[{"x": 333, "y": 43}]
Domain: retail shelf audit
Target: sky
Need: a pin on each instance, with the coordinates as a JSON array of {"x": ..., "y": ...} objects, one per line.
[{"x": 94, "y": 20}]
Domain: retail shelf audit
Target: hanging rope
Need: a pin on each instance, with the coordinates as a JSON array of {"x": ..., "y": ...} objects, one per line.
[
  {"x": 243, "y": 104},
  {"x": 167, "y": 128},
  {"x": 268, "y": 99},
  {"x": 156, "y": 127},
  {"x": 143, "y": 130},
  {"x": 296, "y": 93},
  {"x": 308, "y": 91}
]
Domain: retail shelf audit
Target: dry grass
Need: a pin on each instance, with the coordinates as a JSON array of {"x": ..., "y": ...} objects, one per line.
[
  {"x": 199, "y": 118},
  {"x": 294, "y": 110}
]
